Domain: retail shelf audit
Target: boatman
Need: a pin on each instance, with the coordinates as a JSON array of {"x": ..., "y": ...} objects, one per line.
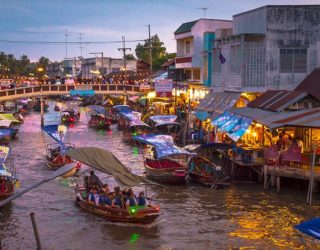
[{"x": 94, "y": 180}]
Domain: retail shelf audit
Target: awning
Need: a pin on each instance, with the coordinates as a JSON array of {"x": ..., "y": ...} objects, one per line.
[
  {"x": 133, "y": 98},
  {"x": 106, "y": 162},
  {"x": 9, "y": 117},
  {"x": 218, "y": 102},
  {"x": 234, "y": 125},
  {"x": 202, "y": 115}
]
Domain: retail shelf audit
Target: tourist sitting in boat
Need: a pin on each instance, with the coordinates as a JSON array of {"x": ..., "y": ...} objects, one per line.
[
  {"x": 141, "y": 199},
  {"x": 3, "y": 186},
  {"x": 93, "y": 196},
  {"x": 105, "y": 189},
  {"x": 118, "y": 199},
  {"x": 131, "y": 200},
  {"x": 106, "y": 200}
]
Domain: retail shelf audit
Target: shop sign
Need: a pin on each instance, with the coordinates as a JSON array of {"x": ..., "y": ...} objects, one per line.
[
  {"x": 83, "y": 87},
  {"x": 163, "y": 87}
]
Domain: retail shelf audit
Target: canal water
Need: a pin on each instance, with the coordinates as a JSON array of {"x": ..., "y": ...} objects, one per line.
[{"x": 193, "y": 217}]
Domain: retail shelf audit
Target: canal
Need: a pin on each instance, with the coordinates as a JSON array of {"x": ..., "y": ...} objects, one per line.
[{"x": 193, "y": 217}]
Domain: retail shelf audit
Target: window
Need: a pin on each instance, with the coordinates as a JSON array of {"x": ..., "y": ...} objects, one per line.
[
  {"x": 188, "y": 47},
  {"x": 196, "y": 75},
  {"x": 293, "y": 60}
]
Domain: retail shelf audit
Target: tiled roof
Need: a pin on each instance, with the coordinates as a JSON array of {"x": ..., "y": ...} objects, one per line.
[
  {"x": 185, "y": 27},
  {"x": 277, "y": 100},
  {"x": 311, "y": 84}
]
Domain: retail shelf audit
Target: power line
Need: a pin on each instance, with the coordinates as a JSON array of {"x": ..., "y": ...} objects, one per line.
[{"x": 69, "y": 42}]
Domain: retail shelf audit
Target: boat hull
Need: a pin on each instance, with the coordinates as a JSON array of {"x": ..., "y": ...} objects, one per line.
[
  {"x": 165, "y": 171},
  {"x": 142, "y": 216}
]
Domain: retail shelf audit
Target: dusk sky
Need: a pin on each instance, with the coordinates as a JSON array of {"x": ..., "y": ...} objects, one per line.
[{"x": 105, "y": 20}]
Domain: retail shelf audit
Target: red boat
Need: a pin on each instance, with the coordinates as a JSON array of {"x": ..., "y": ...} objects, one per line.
[
  {"x": 70, "y": 117},
  {"x": 99, "y": 122},
  {"x": 7, "y": 174},
  {"x": 168, "y": 163}
]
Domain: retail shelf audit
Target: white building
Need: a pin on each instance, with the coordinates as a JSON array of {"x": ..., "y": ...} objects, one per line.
[
  {"x": 272, "y": 47},
  {"x": 190, "y": 44},
  {"x": 93, "y": 67}
]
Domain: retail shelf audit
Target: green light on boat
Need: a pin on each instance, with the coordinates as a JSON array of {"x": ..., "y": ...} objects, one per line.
[{"x": 133, "y": 210}]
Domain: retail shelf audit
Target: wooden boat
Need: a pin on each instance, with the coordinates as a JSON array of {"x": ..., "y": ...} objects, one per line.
[
  {"x": 165, "y": 171},
  {"x": 55, "y": 152},
  {"x": 168, "y": 163},
  {"x": 98, "y": 117},
  {"x": 106, "y": 162},
  {"x": 205, "y": 172},
  {"x": 7, "y": 174},
  {"x": 70, "y": 116},
  {"x": 135, "y": 215}
]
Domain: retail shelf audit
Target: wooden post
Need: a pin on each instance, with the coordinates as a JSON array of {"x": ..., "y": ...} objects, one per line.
[
  {"x": 36, "y": 232},
  {"x": 311, "y": 181},
  {"x": 273, "y": 181},
  {"x": 265, "y": 176},
  {"x": 42, "y": 110},
  {"x": 278, "y": 184}
]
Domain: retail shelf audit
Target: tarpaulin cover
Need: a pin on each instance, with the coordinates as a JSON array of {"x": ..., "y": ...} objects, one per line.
[
  {"x": 4, "y": 153},
  {"x": 122, "y": 108},
  {"x": 134, "y": 119},
  {"x": 56, "y": 132},
  {"x": 104, "y": 161},
  {"x": 202, "y": 115},
  {"x": 164, "y": 145},
  {"x": 5, "y": 123},
  {"x": 311, "y": 227},
  {"x": 234, "y": 125},
  {"x": 163, "y": 118},
  {"x": 6, "y": 132},
  {"x": 9, "y": 117},
  {"x": 96, "y": 109}
]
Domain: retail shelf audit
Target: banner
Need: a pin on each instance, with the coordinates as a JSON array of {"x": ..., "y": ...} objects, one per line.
[{"x": 163, "y": 87}]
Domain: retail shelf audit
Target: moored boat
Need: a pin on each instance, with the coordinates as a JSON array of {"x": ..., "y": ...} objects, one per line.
[
  {"x": 107, "y": 163},
  {"x": 98, "y": 117},
  {"x": 168, "y": 164},
  {"x": 7, "y": 174},
  {"x": 69, "y": 116},
  {"x": 37, "y": 106}
]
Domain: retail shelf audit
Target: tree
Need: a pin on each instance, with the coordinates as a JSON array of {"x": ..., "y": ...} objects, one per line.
[
  {"x": 159, "y": 53},
  {"x": 43, "y": 62},
  {"x": 130, "y": 57}
]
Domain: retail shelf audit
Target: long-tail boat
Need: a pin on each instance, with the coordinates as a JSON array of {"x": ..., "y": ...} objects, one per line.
[
  {"x": 98, "y": 117},
  {"x": 104, "y": 161}
]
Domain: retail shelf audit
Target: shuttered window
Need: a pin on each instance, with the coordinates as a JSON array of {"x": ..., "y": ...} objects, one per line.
[{"x": 293, "y": 60}]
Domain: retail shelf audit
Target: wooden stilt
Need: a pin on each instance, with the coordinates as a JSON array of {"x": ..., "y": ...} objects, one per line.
[
  {"x": 273, "y": 181},
  {"x": 278, "y": 184},
  {"x": 265, "y": 176},
  {"x": 42, "y": 110},
  {"x": 36, "y": 232}
]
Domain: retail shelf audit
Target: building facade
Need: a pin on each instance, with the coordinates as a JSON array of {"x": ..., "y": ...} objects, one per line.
[
  {"x": 54, "y": 70},
  {"x": 97, "y": 66},
  {"x": 190, "y": 44},
  {"x": 272, "y": 47}
]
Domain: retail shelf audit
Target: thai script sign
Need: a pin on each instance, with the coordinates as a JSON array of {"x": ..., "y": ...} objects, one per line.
[{"x": 163, "y": 87}]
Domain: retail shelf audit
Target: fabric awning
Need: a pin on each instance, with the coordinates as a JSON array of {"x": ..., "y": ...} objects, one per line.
[
  {"x": 202, "y": 115},
  {"x": 133, "y": 98},
  {"x": 234, "y": 125},
  {"x": 106, "y": 162}
]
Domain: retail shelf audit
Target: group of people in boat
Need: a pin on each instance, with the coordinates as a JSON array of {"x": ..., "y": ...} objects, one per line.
[{"x": 99, "y": 194}]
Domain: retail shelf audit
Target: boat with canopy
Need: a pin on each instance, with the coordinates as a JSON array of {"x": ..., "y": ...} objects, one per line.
[
  {"x": 9, "y": 125},
  {"x": 168, "y": 162},
  {"x": 8, "y": 177},
  {"x": 37, "y": 106},
  {"x": 105, "y": 162},
  {"x": 56, "y": 152},
  {"x": 98, "y": 117},
  {"x": 69, "y": 112},
  {"x": 165, "y": 124}
]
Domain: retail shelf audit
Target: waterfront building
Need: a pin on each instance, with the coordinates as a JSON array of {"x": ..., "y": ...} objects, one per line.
[{"x": 272, "y": 47}]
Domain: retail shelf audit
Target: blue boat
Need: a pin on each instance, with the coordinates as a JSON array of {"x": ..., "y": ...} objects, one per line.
[{"x": 310, "y": 227}]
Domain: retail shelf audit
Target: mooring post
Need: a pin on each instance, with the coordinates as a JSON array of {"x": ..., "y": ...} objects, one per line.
[
  {"x": 42, "y": 110},
  {"x": 265, "y": 177},
  {"x": 278, "y": 184},
  {"x": 35, "y": 230}
]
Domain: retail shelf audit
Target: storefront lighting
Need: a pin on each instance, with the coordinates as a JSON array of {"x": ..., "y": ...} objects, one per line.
[{"x": 151, "y": 94}]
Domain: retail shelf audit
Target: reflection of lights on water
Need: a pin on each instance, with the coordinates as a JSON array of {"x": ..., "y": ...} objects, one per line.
[
  {"x": 71, "y": 126},
  {"x": 134, "y": 237},
  {"x": 135, "y": 151}
]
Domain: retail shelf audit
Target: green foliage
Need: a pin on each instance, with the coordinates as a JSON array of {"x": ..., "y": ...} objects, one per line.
[
  {"x": 159, "y": 53},
  {"x": 130, "y": 57}
]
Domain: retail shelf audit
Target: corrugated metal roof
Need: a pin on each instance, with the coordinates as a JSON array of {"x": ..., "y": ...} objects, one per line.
[
  {"x": 302, "y": 118},
  {"x": 311, "y": 84},
  {"x": 277, "y": 100},
  {"x": 185, "y": 27},
  {"x": 218, "y": 102}
]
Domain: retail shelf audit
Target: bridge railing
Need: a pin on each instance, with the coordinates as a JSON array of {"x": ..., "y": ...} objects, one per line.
[{"x": 44, "y": 89}]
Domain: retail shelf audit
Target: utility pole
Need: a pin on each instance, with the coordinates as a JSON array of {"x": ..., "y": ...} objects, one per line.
[
  {"x": 150, "y": 49},
  {"x": 66, "y": 34},
  {"x": 123, "y": 50}
]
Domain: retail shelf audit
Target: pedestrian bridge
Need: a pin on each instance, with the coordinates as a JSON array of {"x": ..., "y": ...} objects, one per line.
[{"x": 50, "y": 90}]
